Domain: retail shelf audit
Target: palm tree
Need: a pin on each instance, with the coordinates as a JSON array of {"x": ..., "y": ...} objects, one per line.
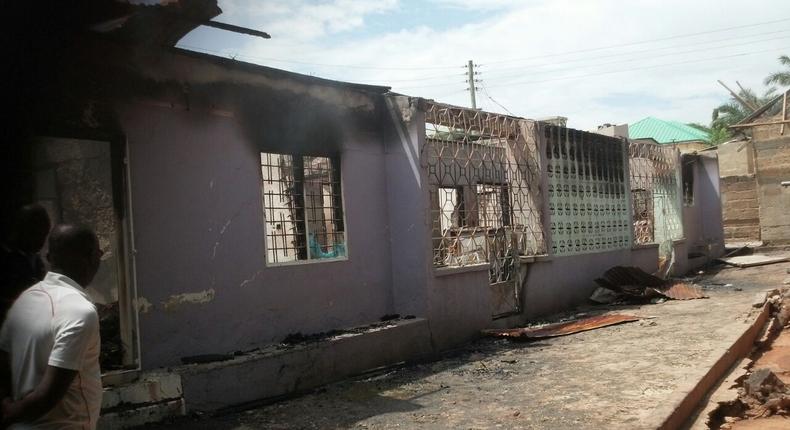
[
  {"x": 734, "y": 111},
  {"x": 780, "y": 78}
]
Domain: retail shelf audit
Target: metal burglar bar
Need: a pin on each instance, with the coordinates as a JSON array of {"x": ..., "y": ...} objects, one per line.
[
  {"x": 323, "y": 207},
  {"x": 654, "y": 193},
  {"x": 588, "y": 205},
  {"x": 302, "y": 206},
  {"x": 484, "y": 176}
]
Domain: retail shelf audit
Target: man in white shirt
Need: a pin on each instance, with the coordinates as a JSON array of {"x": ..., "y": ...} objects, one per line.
[{"x": 49, "y": 344}]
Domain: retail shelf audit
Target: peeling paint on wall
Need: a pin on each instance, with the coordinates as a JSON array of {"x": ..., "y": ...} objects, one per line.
[
  {"x": 143, "y": 305},
  {"x": 247, "y": 281},
  {"x": 175, "y": 301}
]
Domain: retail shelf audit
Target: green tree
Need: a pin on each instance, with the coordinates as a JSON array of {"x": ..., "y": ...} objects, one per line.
[
  {"x": 734, "y": 110},
  {"x": 780, "y": 78},
  {"x": 746, "y": 102},
  {"x": 717, "y": 135}
]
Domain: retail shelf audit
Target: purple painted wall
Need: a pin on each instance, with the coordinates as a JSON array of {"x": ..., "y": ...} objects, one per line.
[
  {"x": 703, "y": 227},
  {"x": 560, "y": 283},
  {"x": 196, "y": 193}
]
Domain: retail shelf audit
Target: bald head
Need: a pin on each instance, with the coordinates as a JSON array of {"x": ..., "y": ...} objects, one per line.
[{"x": 74, "y": 251}]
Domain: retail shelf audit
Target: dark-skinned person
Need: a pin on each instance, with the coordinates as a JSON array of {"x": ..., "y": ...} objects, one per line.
[{"x": 49, "y": 343}]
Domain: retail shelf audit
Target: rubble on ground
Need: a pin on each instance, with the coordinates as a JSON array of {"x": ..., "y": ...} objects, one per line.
[
  {"x": 765, "y": 390},
  {"x": 563, "y": 328},
  {"x": 622, "y": 284}
]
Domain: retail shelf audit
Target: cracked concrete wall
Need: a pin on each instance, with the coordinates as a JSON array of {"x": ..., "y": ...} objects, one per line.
[{"x": 196, "y": 193}]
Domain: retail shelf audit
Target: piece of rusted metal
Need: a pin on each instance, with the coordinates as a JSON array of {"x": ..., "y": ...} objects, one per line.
[
  {"x": 635, "y": 284},
  {"x": 681, "y": 291},
  {"x": 563, "y": 328}
]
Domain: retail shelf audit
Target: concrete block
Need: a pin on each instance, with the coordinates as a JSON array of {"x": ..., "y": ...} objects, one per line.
[
  {"x": 142, "y": 415},
  {"x": 759, "y": 299},
  {"x": 151, "y": 388},
  {"x": 751, "y": 213},
  {"x": 741, "y": 186},
  {"x": 733, "y": 195},
  {"x": 741, "y": 204},
  {"x": 274, "y": 373}
]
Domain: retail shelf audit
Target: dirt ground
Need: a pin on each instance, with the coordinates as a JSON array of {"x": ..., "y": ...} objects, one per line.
[{"x": 621, "y": 377}]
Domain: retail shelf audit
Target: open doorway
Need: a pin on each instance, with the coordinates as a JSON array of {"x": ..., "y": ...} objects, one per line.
[{"x": 83, "y": 182}]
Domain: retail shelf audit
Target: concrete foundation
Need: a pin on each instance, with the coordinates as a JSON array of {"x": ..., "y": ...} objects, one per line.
[{"x": 273, "y": 373}]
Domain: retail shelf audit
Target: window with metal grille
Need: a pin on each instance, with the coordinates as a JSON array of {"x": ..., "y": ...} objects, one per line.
[
  {"x": 484, "y": 175},
  {"x": 493, "y": 206},
  {"x": 303, "y": 208}
]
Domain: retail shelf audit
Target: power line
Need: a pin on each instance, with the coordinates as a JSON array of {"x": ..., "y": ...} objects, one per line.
[
  {"x": 630, "y": 60},
  {"x": 485, "y": 90},
  {"x": 498, "y": 70},
  {"x": 679, "y": 36},
  {"x": 235, "y": 56},
  {"x": 305, "y": 63},
  {"x": 743, "y": 54},
  {"x": 662, "y": 48},
  {"x": 362, "y": 66}
]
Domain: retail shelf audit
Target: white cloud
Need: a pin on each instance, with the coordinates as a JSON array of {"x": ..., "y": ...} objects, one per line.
[
  {"x": 477, "y": 4},
  {"x": 302, "y": 19},
  {"x": 590, "y": 86}
]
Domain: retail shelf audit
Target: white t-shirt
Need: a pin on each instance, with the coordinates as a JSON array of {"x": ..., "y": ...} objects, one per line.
[{"x": 54, "y": 323}]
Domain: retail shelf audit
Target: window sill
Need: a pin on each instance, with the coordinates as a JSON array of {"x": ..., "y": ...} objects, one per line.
[
  {"x": 449, "y": 271},
  {"x": 304, "y": 262},
  {"x": 644, "y": 246},
  {"x": 534, "y": 258}
]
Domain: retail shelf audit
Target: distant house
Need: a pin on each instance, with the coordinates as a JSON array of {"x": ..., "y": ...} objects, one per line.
[{"x": 685, "y": 137}]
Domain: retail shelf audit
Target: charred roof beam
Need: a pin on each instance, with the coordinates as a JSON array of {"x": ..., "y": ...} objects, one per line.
[{"x": 237, "y": 29}]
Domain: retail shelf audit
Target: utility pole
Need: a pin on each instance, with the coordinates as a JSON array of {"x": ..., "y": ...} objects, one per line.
[{"x": 470, "y": 69}]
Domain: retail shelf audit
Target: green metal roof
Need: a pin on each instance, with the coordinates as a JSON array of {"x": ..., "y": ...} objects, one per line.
[{"x": 663, "y": 131}]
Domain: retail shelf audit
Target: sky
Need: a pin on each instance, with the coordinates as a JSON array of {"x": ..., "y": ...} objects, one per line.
[{"x": 592, "y": 61}]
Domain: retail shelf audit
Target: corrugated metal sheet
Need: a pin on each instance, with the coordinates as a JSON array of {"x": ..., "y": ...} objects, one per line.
[
  {"x": 663, "y": 131},
  {"x": 634, "y": 283},
  {"x": 563, "y": 328}
]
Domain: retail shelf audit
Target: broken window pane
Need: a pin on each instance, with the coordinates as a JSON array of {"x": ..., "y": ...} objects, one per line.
[
  {"x": 492, "y": 203},
  {"x": 653, "y": 172},
  {"x": 303, "y": 209},
  {"x": 451, "y": 202}
]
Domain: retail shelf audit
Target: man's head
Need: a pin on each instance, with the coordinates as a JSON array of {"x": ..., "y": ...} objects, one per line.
[
  {"x": 74, "y": 251},
  {"x": 31, "y": 227}
]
